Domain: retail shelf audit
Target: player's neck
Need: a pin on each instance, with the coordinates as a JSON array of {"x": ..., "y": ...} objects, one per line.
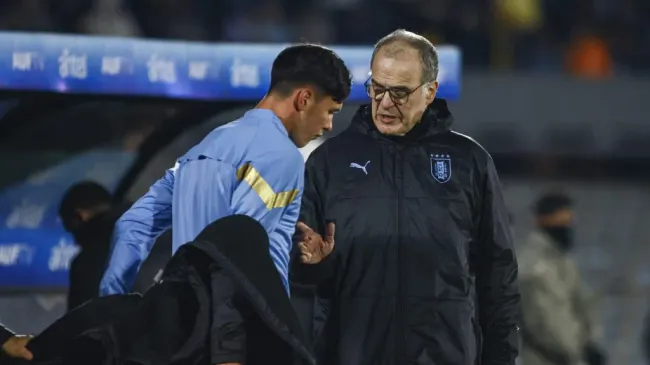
[{"x": 280, "y": 108}]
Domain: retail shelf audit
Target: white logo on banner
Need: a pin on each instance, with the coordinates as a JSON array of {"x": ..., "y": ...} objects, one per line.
[
  {"x": 14, "y": 253},
  {"x": 26, "y": 215},
  {"x": 111, "y": 65},
  {"x": 21, "y": 61},
  {"x": 61, "y": 255},
  {"x": 198, "y": 70},
  {"x": 242, "y": 74},
  {"x": 161, "y": 70},
  {"x": 74, "y": 66}
]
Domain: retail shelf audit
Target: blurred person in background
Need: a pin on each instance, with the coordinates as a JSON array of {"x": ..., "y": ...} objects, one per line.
[
  {"x": 265, "y": 22},
  {"x": 423, "y": 270},
  {"x": 560, "y": 325},
  {"x": 26, "y": 15},
  {"x": 14, "y": 345},
  {"x": 171, "y": 19},
  {"x": 516, "y": 28},
  {"x": 88, "y": 213},
  {"x": 250, "y": 167},
  {"x": 589, "y": 55},
  {"x": 109, "y": 18}
]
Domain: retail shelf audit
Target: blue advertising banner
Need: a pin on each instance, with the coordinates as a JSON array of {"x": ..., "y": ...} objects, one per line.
[{"x": 122, "y": 66}]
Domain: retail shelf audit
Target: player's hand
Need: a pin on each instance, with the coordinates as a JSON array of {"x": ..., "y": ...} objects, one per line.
[
  {"x": 15, "y": 347},
  {"x": 231, "y": 363},
  {"x": 313, "y": 247}
]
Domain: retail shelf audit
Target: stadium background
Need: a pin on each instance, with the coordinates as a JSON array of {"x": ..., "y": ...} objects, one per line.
[{"x": 556, "y": 90}]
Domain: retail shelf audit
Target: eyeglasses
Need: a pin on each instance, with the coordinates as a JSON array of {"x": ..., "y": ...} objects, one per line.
[{"x": 398, "y": 95}]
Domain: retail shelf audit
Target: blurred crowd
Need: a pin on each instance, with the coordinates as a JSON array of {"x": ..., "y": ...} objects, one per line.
[{"x": 593, "y": 38}]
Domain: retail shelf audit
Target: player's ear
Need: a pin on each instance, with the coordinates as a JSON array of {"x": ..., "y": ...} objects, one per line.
[{"x": 303, "y": 97}]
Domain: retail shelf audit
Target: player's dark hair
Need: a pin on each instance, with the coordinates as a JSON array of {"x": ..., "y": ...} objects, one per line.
[
  {"x": 313, "y": 65},
  {"x": 550, "y": 203},
  {"x": 84, "y": 195}
]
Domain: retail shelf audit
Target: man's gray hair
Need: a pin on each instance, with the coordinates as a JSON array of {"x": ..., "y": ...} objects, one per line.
[{"x": 427, "y": 51}]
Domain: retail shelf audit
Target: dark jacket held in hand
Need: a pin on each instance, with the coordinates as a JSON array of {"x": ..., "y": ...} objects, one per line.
[{"x": 220, "y": 300}]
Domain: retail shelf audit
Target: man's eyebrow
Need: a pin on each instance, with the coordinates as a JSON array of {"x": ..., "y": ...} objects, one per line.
[{"x": 399, "y": 87}]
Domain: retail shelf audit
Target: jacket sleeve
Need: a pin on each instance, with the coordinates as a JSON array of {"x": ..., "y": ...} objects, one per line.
[
  {"x": 5, "y": 334},
  {"x": 312, "y": 214},
  {"x": 588, "y": 307},
  {"x": 551, "y": 330},
  {"x": 135, "y": 233},
  {"x": 496, "y": 277},
  {"x": 227, "y": 330}
]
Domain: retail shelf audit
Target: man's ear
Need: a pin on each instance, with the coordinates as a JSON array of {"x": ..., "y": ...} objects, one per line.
[
  {"x": 302, "y": 98},
  {"x": 432, "y": 90}
]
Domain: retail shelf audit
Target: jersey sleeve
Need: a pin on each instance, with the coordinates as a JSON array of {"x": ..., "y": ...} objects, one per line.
[{"x": 135, "y": 233}]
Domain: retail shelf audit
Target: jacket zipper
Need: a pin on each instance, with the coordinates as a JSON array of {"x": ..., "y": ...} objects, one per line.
[{"x": 400, "y": 332}]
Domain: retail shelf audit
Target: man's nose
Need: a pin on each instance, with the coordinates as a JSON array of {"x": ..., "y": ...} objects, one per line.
[
  {"x": 386, "y": 102},
  {"x": 329, "y": 124}
]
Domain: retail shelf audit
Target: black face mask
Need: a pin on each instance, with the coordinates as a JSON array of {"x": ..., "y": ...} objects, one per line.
[
  {"x": 562, "y": 235},
  {"x": 78, "y": 230}
]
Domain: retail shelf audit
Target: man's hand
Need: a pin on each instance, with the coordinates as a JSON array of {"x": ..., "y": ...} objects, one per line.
[
  {"x": 15, "y": 347},
  {"x": 313, "y": 247}
]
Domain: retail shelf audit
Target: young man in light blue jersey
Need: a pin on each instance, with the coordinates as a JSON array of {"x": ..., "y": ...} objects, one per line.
[{"x": 251, "y": 166}]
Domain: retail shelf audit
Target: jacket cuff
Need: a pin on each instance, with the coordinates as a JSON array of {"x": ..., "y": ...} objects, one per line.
[{"x": 314, "y": 274}]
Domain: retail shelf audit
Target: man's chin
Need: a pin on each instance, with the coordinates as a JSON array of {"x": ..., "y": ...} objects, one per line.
[
  {"x": 390, "y": 130},
  {"x": 298, "y": 143},
  {"x": 303, "y": 143}
]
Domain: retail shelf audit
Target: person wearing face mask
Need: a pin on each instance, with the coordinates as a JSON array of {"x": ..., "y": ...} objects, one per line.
[
  {"x": 403, "y": 229},
  {"x": 88, "y": 213},
  {"x": 560, "y": 322}
]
